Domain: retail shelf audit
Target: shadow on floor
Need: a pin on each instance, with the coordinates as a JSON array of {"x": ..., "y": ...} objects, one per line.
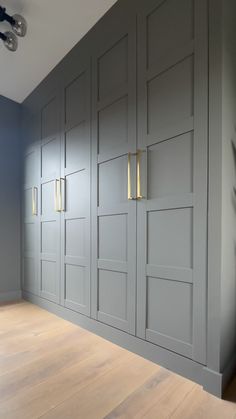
[{"x": 230, "y": 392}]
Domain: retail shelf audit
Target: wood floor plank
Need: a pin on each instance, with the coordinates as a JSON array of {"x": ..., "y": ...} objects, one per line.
[
  {"x": 34, "y": 401},
  {"x": 153, "y": 399},
  {"x": 96, "y": 400},
  {"x": 67, "y": 354},
  {"x": 201, "y": 405},
  {"x": 52, "y": 369}
]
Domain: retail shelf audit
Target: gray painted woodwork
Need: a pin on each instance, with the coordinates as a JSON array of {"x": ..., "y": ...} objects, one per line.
[
  {"x": 172, "y": 218},
  {"x": 137, "y": 81},
  {"x": 114, "y": 136},
  {"x": 50, "y": 154},
  {"x": 75, "y": 170},
  {"x": 30, "y": 212}
]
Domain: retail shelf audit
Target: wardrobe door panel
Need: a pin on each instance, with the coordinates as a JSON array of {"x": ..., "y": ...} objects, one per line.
[
  {"x": 75, "y": 184},
  {"x": 30, "y": 191},
  {"x": 49, "y": 270},
  {"x": 172, "y": 137},
  {"x": 114, "y": 215}
]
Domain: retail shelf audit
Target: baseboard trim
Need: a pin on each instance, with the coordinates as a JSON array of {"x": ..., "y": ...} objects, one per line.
[
  {"x": 210, "y": 380},
  {"x": 10, "y": 296}
]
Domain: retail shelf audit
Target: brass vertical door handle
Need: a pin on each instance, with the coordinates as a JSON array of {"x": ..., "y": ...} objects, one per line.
[
  {"x": 139, "y": 194},
  {"x": 62, "y": 195},
  {"x": 56, "y": 195},
  {"x": 34, "y": 201},
  {"x": 130, "y": 197}
]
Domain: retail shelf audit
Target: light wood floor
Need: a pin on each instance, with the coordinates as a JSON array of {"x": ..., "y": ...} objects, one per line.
[{"x": 50, "y": 368}]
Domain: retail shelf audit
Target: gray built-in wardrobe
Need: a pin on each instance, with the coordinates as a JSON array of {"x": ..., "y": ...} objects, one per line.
[{"x": 126, "y": 152}]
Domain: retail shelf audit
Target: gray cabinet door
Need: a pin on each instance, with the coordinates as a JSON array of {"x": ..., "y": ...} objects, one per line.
[
  {"x": 114, "y": 136},
  {"x": 75, "y": 184},
  {"x": 30, "y": 217},
  {"x": 172, "y": 134},
  {"x": 49, "y": 270}
]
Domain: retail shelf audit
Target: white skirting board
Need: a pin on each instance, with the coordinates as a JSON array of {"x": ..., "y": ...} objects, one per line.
[
  {"x": 10, "y": 296},
  {"x": 212, "y": 381}
]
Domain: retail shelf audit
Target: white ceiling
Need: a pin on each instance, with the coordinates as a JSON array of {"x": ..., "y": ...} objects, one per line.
[{"x": 54, "y": 27}]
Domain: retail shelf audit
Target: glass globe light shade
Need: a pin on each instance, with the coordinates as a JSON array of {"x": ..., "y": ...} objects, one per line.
[
  {"x": 11, "y": 42},
  {"x": 20, "y": 25}
]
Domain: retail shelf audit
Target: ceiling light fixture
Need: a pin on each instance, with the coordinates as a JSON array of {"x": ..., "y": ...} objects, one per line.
[
  {"x": 19, "y": 27},
  {"x": 10, "y": 40}
]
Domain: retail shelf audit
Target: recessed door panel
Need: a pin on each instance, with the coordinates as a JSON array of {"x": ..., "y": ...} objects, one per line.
[
  {"x": 169, "y": 313},
  {"x": 113, "y": 182},
  {"x": 77, "y": 193},
  {"x": 48, "y": 198},
  {"x": 170, "y": 97},
  {"x": 77, "y": 148},
  {"x": 75, "y": 285},
  {"x": 110, "y": 227},
  {"x": 50, "y": 162},
  {"x": 29, "y": 237},
  {"x": 170, "y": 237},
  {"x": 49, "y": 237},
  {"x": 170, "y": 167},
  {"x": 29, "y": 280},
  {"x": 49, "y": 277},
  {"x": 113, "y": 126},
  {"x": 49, "y": 120},
  {"x": 30, "y": 169},
  {"x": 113, "y": 68},
  {"x": 169, "y": 27},
  {"x": 75, "y": 101},
  {"x": 112, "y": 296},
  {"x": 75, "y": 231}
]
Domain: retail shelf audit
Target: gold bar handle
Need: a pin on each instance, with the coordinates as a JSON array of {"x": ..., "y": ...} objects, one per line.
[
  {"x": 56, "y": 195},
  {"x": 62, "y": 197},
  {"x": 130, "y": 197},
  {"x": 139, "y": 194},
  {"x": 34, "y": 201}
]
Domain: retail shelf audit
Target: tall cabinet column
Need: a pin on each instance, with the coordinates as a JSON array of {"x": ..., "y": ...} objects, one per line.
[
  {"x": 75, "y": 184},
  {"x": 49, "y": 269},
  {"x": 114, "y": 143},
  {"x": 173, "y": 143}
]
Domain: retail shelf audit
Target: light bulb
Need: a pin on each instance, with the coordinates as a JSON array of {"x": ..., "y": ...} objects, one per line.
[
  {"x": 11, "y": 41},
  {"x": 20, "y": 25}
]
